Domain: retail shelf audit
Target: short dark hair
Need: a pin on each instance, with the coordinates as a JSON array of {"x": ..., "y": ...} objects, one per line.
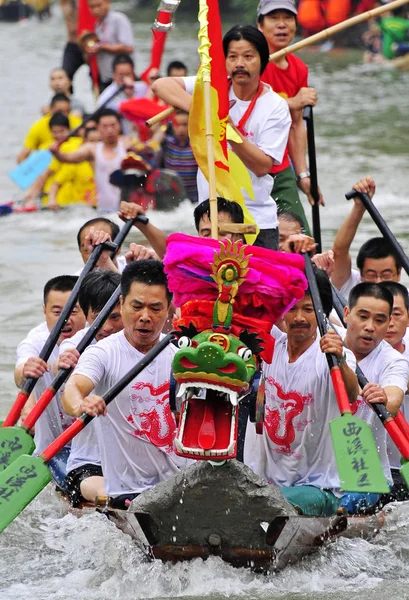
[
  {"x": 228, "y": 206},
  {"x": 59, "y": 98},
  {"x": 59, "y": 119},
  {"x": 291, "y": 217},
  {"x": 122, "y": 59},
  {"x": 114, "y": 228},
  {"x": 252, "y": 35},
  {"x": 369, "y": 290},
  {"x": 107, "y": 112},
  {"x": 325, "y": 290},
  {"x": 376, "y": 247},
  {"x": 175, "y": 64},
  {"x": 147, "y": 271},
  {"x": 61, "y": 283},
  {"x": 96, "y": 289},
  {"x": 397, "y": 289}
]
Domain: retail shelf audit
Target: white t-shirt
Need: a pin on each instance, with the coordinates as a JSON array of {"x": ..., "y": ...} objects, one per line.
[
  {"x": 267, "y": 127},
  {"x": 140, "y": 90},
  {"x": 351, "y": 282},
  {"x": 296, "y": 447},
  {"x": 120, "y": 265},
  {"x": 84, "y": 447},
  {"x": 53, "y": 421},
  {"x": 387, "y": 367},
  {"x": 393, "y": 453},
  {"x": 136, "y": 436}
]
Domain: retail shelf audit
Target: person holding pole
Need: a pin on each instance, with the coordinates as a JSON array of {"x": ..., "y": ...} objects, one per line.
[
  {"x": 135, "y": 434},
  {"x": 288, "y": 77},
  {"x": 260, "y": 117}
]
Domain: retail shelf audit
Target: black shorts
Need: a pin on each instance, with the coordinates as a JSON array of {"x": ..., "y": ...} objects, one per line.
[{"x": 73, "y": 482}]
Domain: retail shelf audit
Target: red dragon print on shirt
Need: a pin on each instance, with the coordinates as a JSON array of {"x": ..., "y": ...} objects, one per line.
[
  {"x": 279, "y": 421},
  {"x": 152, "y": 417}
]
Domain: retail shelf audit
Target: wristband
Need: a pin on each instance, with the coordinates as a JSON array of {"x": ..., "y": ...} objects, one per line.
[{"x": 303, "y": 175}]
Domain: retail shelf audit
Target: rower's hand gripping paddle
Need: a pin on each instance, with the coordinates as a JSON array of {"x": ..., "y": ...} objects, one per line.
[
  {"x": 357, "y": 459},
  {"x": 24, "y": 479}
]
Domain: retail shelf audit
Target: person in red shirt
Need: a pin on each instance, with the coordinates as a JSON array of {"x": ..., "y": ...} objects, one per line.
[{"x": 288, "y": 77}]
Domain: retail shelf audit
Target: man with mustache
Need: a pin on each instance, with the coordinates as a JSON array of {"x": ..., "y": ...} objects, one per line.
[
  {"x": 368, "y": 318},
  {"x": 261, "y": 119},
  {"x": 277, "y": 20},
  {"x": 295, "y": 450}
]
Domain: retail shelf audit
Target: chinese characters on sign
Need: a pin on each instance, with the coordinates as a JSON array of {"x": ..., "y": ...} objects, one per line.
[
  {"x": 356, "y": 452},
  {"x": 15, "y": 482}
]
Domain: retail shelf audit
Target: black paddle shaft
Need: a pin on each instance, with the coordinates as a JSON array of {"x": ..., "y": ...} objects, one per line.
[
  {"x": 126, "y": 229},
  {"x": 92, "y": 116},
  {"x": 316, "y": 300},
  {"x": 116, "y": 389},
  {"x": 88, "y": 337},
  {"x": 312, "y": 159},
  {"x": 382, "y": 226},
  {"x": 67, "y": 310}
]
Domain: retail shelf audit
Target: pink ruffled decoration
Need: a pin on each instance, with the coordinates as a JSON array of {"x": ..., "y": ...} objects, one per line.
[{"x": 274, "y": 283}]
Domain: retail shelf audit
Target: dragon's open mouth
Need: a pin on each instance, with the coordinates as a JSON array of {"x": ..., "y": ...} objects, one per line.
[{"x": 208, "y": 421}]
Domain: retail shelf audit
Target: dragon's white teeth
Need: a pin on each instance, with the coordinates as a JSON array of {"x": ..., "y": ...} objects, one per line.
[
  {"x": 233, "y": 398},
  {"x": 182, "y": 389}
]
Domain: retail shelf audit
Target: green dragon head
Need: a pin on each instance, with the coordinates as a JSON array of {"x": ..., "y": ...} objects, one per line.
[{"x": 214, "y": 371}]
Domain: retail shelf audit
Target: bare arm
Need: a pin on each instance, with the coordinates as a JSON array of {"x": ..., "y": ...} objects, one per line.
[
  {"x": 172, "y": 91},
  {"x": 346, "y": 234},
  {"x": 76, "y": 389},
  {"x": 84, "y": 152},
  {"x": 36, "y": 187},
  {"x": 33, "y": 367},
  {"x": 390, "y": 395},
  {"x": 24, "y": 153},
  {"x": 116, "y": 48}
]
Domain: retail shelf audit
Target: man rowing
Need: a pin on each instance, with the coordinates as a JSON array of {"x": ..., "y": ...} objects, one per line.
[
  {"x": 261, "y": 119},
  {"x": 135, "y": 434},
  {"x": 295, "y": 450}
]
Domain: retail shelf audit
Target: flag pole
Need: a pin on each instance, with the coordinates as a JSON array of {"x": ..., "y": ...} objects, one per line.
[{"x": 210, "y": 156}]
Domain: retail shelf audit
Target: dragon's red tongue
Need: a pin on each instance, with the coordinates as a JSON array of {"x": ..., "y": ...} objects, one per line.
[{"x": 207, "y": 432}]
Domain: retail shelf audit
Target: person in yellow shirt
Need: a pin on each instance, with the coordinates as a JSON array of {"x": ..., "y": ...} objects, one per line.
[
  {"x": 75, "y": 183},
  {"x": 39, "y": 136},
  {"x": 59, "y": 126}
]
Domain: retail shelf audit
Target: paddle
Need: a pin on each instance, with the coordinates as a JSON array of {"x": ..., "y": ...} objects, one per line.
[
  {"x": 358, "y": 462},
  {"x": 382, "y": 226},
  {"x": 52, "y": 339},
  {"x": 37, "y": 162},
  {"x": 28, "y": 475},
  {"x": 312, "y": 159},
  {"x": 126, "y": 228},
  {"x": 397, "y": 427},
  {"x": 16, "y": 440}
]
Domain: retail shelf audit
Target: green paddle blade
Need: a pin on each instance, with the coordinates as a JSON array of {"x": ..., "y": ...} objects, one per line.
[
  {"x": 14, "y": 441},
  {"x": 19, "y": 485},
  {"x": 356, "y": 455}
]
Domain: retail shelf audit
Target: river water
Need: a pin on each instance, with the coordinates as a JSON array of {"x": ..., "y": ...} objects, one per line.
[{"x": 361, "y": 127}]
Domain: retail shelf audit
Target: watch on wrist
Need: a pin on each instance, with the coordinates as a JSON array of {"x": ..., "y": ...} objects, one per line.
[{"x": 303, "y": 175}]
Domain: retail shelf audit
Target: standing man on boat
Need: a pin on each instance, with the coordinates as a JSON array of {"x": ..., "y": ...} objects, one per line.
[
  {"x": 106, "y": 157},
  {"x": 368, "y": 318},
  {"x": 295, "y": 450},
  {"x": 261, "y": 119},
  {"x": 376, "y": 260},
  {"x": 288, "y": 77},
  {"x": 136, "y": 432},
  {"x": 115, "y": 36},
  {"x": 72, "y": 57}
]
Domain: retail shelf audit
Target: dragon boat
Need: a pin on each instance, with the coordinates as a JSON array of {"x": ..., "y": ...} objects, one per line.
[{"x": 229, "y": 297}]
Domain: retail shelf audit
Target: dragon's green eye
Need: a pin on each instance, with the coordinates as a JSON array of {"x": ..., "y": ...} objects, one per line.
[
  {"x": 184, "y": 342},
  {"x": 244, "y": 353}
]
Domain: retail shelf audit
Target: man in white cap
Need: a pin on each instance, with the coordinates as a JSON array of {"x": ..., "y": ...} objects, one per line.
[{"x": 288, "y": 77}]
